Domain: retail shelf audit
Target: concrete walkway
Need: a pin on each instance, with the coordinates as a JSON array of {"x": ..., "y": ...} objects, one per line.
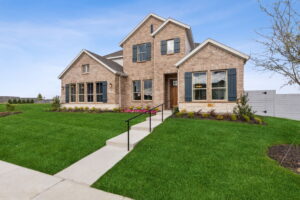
[
  {"x": 91, "y": 168},
  {"x": 73, "y": 183}
]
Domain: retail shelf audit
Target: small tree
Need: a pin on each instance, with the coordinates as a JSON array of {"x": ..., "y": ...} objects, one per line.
[
  {"x": 55, "y": 104},
  {"x": 23, "y": 101},
  {"x": 40, "y": 97},
  {"x": 31, "y": 101},
  {"x": 15, "y": 101},
  {"x": 10, "y": 101},
  {"x": 10, "y": 107},
  {"x": 27, "y": 100},
  {"x": 243, "y": 108},
  {"x": 19, "y": 101}
]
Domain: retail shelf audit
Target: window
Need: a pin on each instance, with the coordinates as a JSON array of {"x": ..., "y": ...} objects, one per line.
[
  {"x": 90, "y": 92},
  {"x": 170, "y": 46},
  {"x": 141, "y": 52},
  {"x": 147, "y": 89},
  {"x": 219, "y": 85},
  {"x": 99, "y": 92},
  {"x": 81, "y": 92},
  {"x": 85, "y": 68},
  {"x": 199, "y": 85},
  {"x": 136, "y": 86},
  {"x": 151, "y": 28},
  {"x": 73, "y": 92}
]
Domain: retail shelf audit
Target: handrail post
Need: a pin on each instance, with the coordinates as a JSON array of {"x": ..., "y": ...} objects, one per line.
[
  {"x": 128, "y": 135},
  {"x": 162, "y": 112},
  {"x": 150, "y": 121}
]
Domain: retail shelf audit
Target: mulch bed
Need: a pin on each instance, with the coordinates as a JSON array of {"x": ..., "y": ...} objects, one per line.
[
  {"x": 4, "y": 114},
  {"x": 287, "y": 156}
]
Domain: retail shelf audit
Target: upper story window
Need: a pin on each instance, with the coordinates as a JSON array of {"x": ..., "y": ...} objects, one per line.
[
  {"x": 151, "y": 28},
  {"x": 141, "y": 52},
  {"x": 170, "y": 46},
  {"x": 219, "y": 85},
  {"x": 199, "y": 85},
  {"x": 136, "y": 89},
  {"x": 85, "y": 68}
]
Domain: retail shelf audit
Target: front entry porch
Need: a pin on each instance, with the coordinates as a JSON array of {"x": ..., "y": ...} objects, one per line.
[{"x": 171, "y": 91}]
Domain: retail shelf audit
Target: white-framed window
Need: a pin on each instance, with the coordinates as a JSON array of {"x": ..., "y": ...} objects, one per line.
[
  {"x": 81, "y": 92},
  {"x": 148, "y": 90},
  {"x": 199, "y": 80},
  {"x": 219, "y": 85},
  {"x": 90, "y": 92},
  {"x": 73, "y": 92},
  {"x": 85, "y": 68},
  {"x": 170, "y": 46},
  {"x": 141, "y": 52},
  {"x": 136, "y": 89}
]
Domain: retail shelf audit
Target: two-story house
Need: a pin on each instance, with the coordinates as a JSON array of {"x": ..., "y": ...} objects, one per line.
[{"x": 159, "y": 63}]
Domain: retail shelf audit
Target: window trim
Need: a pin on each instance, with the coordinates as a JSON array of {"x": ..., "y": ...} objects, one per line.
[
  {"x": 138, "y": 53},
  {"x": 193, "y": 96},
  {"x": 136, "y": 92},
  {"x": 167, "y": 53},
  {"x": 151, "y": 89},
  {"x": 80, "y": 94},
  {"x": 71, "y": 94},
  {"x": 226, "y": 85},
  {"x": 99, "y": 94},
  {"x": 85, "y": 68},
  {"x": 89, "y": 94}
]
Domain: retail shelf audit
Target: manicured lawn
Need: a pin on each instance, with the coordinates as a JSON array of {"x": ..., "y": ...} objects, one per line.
[
  {"x": 49, "y": 141},
  {"x": 203, "y": 159}
]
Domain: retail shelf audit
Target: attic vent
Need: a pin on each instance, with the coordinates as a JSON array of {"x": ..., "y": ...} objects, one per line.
[{"x": 151, "y": 28}]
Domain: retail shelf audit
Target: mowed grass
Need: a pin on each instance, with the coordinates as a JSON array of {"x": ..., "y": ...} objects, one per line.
[
  {"x": 51, "y": 141},
  {"x": 205, "y": 159}
]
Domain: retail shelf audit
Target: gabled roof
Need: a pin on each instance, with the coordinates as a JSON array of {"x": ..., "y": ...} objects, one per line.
[
  {"x": 140, "y": 24},
  {"x": 199, "y": 47},
  {"x": 110, "y": 65},
  {"x": 115, "y": 54},
  {"x": 187, "y": 27}
]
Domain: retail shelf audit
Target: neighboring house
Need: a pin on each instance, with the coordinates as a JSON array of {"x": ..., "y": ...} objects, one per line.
[{"x": 159, "y": 63}]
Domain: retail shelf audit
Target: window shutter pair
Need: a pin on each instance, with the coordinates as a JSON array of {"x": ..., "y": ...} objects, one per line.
[
  {"x": 67, "y": 88},
  {"x": 232, "y": 93},
  {"x": 134, "y": 53},
  {"x": 176, "y": 45},
  {"x": 148, "y": 51},
  {"x": 104, "y": 90}
]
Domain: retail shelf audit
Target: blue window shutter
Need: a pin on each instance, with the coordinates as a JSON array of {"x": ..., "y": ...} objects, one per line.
[
  {"x": 67, "y": 93},
  {"x": 176, "y": 45},
  {"x": 104, "y": 89},
  {"x": 163, "y": 47},
  {"x": 134, "y": 53},
  {"x": 188, "y": 86},
  {"x": 232, "y": 94},
  {"x": 148, "y": 51}
]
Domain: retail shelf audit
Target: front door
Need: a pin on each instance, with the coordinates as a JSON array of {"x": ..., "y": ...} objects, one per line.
[{"x": 173, "y": 93}]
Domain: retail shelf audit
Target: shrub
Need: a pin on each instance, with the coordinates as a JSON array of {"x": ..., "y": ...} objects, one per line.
[
  {"x": 147, "y": 107},
  {"x": 183, "y": 111},
  {"x": 76, "y": 109},
  {"x": 70, "y": 109},
  {"x": 191, "y": 114},
  {"x": 117, "y": 109},
  {"x": 31, "y": 101},
  {"x": 131, "y": 107},
  {"x": 86, "y": 108},
  {"x": 175, "y": 109},
  {"x": 157, "y": 109},
  {"x": 93, "y": 109},
  {"x": 246, "y": 118},
  {"x": 220, "y": 117},
  {"x": 227, "y": 115},
  {"x": 205, "y": 115},
  {"x": 19, "y": 101},
  {"x": 258, "y": 120},
  {"x": 233, "y": 117},
  {"x": 55, "y": 104},
  {"x": 243, "y": 108},
  {"x": 179, "y": 114},
  {"x": 64, "y": 109},
  {"x": 10, "y": 107},
  {"x": 81, "y": 108},
  {"x": 99, "y": 110},
  {"x": 27, "y": 100},
  {"x": 15, "y": 101},
  {"x": 10, "y": 101},
  {"x": 212, "y": 113},
  {"x": 139, "y": 108}
]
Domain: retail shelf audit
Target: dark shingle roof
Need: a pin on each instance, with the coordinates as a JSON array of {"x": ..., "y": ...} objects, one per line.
[
  {"x": 113, "y": 65},
  {"x": 114, "y": 54}
]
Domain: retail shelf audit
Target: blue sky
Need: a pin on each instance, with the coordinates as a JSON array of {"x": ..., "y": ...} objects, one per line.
[{"x": 38, "y": 39}]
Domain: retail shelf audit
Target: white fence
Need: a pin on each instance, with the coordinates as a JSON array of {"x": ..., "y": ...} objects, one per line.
[{"x": 268, "y": 103}]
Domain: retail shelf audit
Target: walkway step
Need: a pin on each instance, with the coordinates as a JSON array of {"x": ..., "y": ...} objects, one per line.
[
  {"x": 121, "y": 140},
  {"x": 93, "y": 166}
]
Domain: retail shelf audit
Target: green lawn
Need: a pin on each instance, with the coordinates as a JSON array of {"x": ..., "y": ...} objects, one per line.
[
  {"x": 205, "y": 159},
  {"x": 50, "y": 141}
]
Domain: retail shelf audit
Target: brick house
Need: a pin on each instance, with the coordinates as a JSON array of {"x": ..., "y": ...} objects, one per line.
[{"x": 159, "y": 63}]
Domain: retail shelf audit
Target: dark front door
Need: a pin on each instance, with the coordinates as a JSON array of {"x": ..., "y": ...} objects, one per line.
[{"x": 173, "y": 93}]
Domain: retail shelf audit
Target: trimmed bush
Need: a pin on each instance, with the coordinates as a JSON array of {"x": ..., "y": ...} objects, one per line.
[
  {"x": 93, "y": 109},
  {"x": 64, "y": 109},
  {"x": 179, "y": 114},
  {"x": 175, "y": 109},
  {"x": 183, "y": 111},
  {"x": 76, "y": 109},
  {"x": 117, "y": 109},
  {"x": 139, "y": 108},
  {"x": 191, "y": 114},
  {"x": 10, "y": 107},
  {"x": 220, "y": 117},
  {"x": 233, "y": 117},
  {"x": 86, "y": 108},
  {"x": 246, "y": 118},
  {"x": 131, "y": 107},
  {"x": 70, "y": 109},
  {"x": 258, "y": 120},
  {"x": 55, "y": 104},
  {"x": 205, "y": 115}
]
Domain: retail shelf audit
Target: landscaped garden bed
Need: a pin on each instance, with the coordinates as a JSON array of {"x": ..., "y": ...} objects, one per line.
[
  {"x": 4, "y": 114},
  {"x": 286, "y": 155}
]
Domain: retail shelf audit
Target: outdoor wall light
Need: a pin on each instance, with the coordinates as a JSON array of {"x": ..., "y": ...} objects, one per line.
[{"x": 110, "y": 85}]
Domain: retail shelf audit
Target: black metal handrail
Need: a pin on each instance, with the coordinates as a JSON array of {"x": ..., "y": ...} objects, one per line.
[{"x": 150, "y": 127}]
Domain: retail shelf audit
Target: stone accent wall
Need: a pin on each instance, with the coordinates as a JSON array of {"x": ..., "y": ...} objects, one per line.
[
  {"x": 97, "y": 73},
  {"x": 208, "y": 59},
  {"x": 206, "y": 107}
]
